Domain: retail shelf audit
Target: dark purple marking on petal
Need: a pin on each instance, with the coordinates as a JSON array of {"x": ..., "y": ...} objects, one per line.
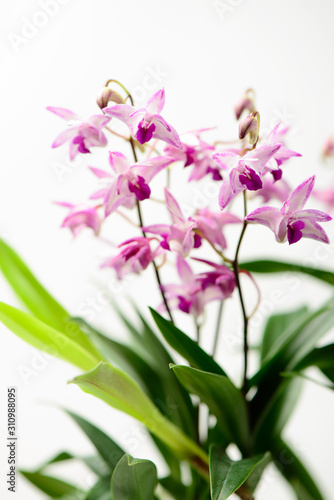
[
  {"x": 295, "y": 231},
  {"x": 145, "y": 132},
  {"x": 216, "y": 176},
  {"x": 140, "y": 188},
  {"x": 197, "y": 241},
  {"x": 250, "y": 179},
  {"x": 184, "y": 304},
  {"x": 80, "y": 140},
  {"x": 277, "y": 174}
]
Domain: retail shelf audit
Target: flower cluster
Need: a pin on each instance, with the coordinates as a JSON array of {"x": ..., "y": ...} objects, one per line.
[{"x": 254, "y": 167}]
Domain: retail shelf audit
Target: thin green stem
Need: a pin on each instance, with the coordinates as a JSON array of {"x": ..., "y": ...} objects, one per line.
[
  {"x": 241, "y": 298},
  {"x": 218, "y": 324}
]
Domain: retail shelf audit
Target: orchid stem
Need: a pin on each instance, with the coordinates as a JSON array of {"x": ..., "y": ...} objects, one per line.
[
  {"x": 216, "y": 338},
  {"x": 241, "y": 298},
  {"x": 156, "y": 269}
]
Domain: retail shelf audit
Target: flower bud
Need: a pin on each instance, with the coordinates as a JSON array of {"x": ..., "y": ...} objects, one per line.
[
  {"x": 249, "y": 127},
  {"x": 107, "y": 95},
  {"x": 245, "y": 103},
  {"x": 328, "y": 150}
]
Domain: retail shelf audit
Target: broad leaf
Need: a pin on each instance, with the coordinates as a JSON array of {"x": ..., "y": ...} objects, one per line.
[
  {"x": 107, "y": 448},
  {"x": 227, "y": 476},
  {"x": 276, "y": 413},
  {"x": 185, "y": 346},
  {"x": 118, "y": 390},
  {"x": 134, "y": 479},
  {"x": 276, "y": 327},
  {"x": 294, "y": 471},
  {"x": 37, "y": 299},
  {"x": 272, "y": 266},
  {"x": 43, "y": 337},
  {"x": 322, "y": 358},
  {"x": 52, "y": 486},
  {"x": 100, "y": 490},
  {"x": 224, "y": 400}
]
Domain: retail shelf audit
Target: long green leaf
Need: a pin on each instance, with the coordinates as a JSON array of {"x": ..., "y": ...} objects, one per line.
[
  {"x": 100, "y": 490},
  {"x": 118, "y": 390},
  {"x": 272, "y": 266},
  {"x": 107, "y": 448},
  {"x": 37, "y": 299},
  {"x": 276, "y": 327},
  {"x": 185, "y": 346},
  {"x": 52, "y": 486},
  {"x": 43, "y": 337},
  {"x": 227, "y": 476},
  {"x": 322, "y": 358},
  {"x": 294, "y": 471},
  {"x": 224, "y": 400},
  {"x": 134, "y": 479}
]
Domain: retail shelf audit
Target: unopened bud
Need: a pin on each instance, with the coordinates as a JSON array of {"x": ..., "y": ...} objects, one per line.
[
  {"x": 108, "y": 95},
  {"x": 245, "y": 103},
  {"x": 249, "y": 127}
]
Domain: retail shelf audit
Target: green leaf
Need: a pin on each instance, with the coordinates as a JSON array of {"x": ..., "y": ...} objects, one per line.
[
  {"x": 276, "y": 413},
  {"x": 185, "y": 346},
  {"x": 37, "y": 299},
  {"x": 272, "y": 266},
  {"x": 100, "y": 490},
  {"x": 178, "y": 490},
  {"x": 227, "y": 476},
  {"x": 276, "y": 326},
  {"x": 107, "y": 448},
  {"x": 134, "y": 479},
  {"x": 43, "y": 337},
  {"x": 224, "y": 400},
  {"x": 295, "y": 473},
  {"x": 322, "y": 358},
  {"x": 308, "y": 379},
  {"x": 117, "y": 389},
  {"x": 52, "y": 486}
]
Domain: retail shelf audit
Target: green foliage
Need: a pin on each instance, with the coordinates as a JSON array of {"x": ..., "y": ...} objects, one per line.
[{"x": 134, "y": 479}]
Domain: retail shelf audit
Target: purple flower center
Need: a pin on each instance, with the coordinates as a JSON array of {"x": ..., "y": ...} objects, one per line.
[
  {"x": 145, "y": 131},
  {"x": 197, "y": 241},
  {"x": 140, "y": 188},
  {"x": 215, "y": 173},
  {"x": 295, "y": 231},
  {"x": 82, "y": 148},
  {"x": 277, "y": 174},
  {"x": 250, "y": 179},
  {"x": 184, "y": 304}
]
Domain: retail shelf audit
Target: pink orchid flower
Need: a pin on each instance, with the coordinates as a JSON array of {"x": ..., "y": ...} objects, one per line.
[
  {"x": 210, "y": 225},
  {"x": 271, "y": 189},
  {"x": 81, "y": 216},
  {"x": 195, "y": 291},
  {"x": 145, "y": 123},
  {"x": 283, "y": 154},
  {"x": 245, "y": 172},
  {"x": 178, "y": 237},
  {"x": 134, "y": 257},
  {"x": 291, "y": 222},
  {"x": 326, "y": 196},
  {"x": 82, "y": 135},
  {"x": 198, "y": 155},
  {"x": 127, "y": 183}
]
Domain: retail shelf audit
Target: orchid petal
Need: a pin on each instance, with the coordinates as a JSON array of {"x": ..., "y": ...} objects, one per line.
[
  {"x": 165, "y": 132},
  {"x": 267, "y": 216},
  {"x": 314, "y": 231},
  {"x": 118, "y": 162},
  {"x": 315, "y": 215},
  {"x": 65, "y": 136},
  {"x": 156, "y": 103},
  {"x": 64, "y": 113},
  {"x": 299, "y": 196},
  {"x": 174, "y": 208}
]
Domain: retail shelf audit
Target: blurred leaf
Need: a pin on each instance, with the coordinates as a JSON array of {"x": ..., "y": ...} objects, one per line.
[
  {"x": 178, "y": 490},
  {"x": 118, "y": 390},
  {"x": 134, "y": 479},
  {"x": 100, "y": 490},
  {"x": 227, "y": 476},
  {"x": 276, "y": 327},
  {"x": 185, "y": 346},
  {"x": 107, "y": 448},
  {"x": 276, "y": 413},
  {"x": 294, "y": 471},
  {"x": 43, "y": 337},
  {"x": 60, "y": 457},
  {"x": 37, "y": 299},
  {"x": 224, "y": 400},
  {"x": 272, "y": 266},
  {"x": 322, "y": 358},
  {"x": 308, "y": 379},
  {"x": 53, "y": 487}
]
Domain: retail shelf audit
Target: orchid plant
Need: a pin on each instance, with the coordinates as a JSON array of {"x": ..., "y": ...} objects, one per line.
[{"x": 140, "y": 378}]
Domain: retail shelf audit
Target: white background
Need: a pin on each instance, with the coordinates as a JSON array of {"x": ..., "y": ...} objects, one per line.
[{"x": 205, "y": 54}]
